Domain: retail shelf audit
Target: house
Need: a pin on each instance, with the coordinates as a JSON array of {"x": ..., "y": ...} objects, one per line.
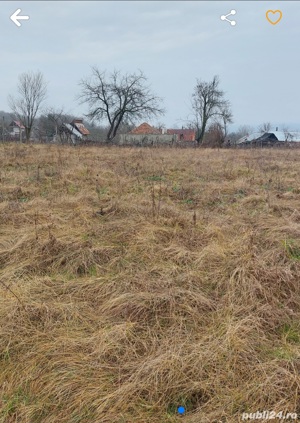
[
  {"x": 69, "y": 134},
  {"x": 146, "y": 134},
  {"x": 145, "y": 129},
  {"x": 74, "y": 132},
  {"x": 247, "y": 139},
  {"x": 270, "y": 138},
  {"x": 16, "y": 129},
  {"x": 281, "y": 136},
  {"x": 188, "y": 135}
]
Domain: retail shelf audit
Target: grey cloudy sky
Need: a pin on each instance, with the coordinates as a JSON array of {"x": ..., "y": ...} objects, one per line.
[{"x": 174, "y": 43}]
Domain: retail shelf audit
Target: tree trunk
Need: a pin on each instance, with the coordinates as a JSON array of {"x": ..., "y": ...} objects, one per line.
[
  {"x": 27, "y": 134},
  {"x": 201, "y": 133}
]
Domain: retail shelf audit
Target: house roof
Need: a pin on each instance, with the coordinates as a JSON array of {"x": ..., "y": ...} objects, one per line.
[
  {"x": 78, "y": 124},
  {"x": 145, "y": 129},
  {"x": 187, "y": 134},
  {"x": 72, "y": 130},
  {"x": 249, "y": 137},
  {"x": 286, "y": 136},
  {"x": 17, "y": 123},
  {"x": 291, "y": 136}
]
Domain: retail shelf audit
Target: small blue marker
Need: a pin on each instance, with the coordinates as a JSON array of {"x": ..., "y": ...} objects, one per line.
[{"x": 181, "y": 410}]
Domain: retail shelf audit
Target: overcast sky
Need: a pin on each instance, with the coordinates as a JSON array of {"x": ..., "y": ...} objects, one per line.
[{"x": 173, "y": 43}]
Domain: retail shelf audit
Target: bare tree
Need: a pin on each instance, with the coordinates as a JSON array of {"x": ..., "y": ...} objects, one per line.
[
  {"x": 208, "y": 103},
  {"x": 287, "y": 134},
  {"x": 32, "y": 90},
  {"x": 264, "y": 127},
  {"x": 224, "y": 118},
  {"x": 214, "y": 136},
  {"x": 53, "y": 121},
  {"x": 160, "y": 125},
  {"x": 118, "y": 99}
]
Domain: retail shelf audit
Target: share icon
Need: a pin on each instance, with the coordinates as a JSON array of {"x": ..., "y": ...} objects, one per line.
[{"x": 224, "y": 17}]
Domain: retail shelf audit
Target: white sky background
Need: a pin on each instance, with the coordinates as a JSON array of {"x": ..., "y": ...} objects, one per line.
[{"x": 173, "y": 43}]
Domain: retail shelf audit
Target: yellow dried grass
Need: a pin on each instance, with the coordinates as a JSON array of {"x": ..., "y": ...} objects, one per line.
[{"x": 136, "y": 280}]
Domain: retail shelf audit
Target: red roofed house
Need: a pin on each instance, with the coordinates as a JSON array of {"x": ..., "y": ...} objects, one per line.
[
  {"x": 16, "y": 129},
  {"x": 74, "y": 132},
  {"x": 146, "y": 134},
  {"x": 145, "y": 129}
]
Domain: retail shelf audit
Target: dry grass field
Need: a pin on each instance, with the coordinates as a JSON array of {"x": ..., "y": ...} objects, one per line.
[{"x": 137, "y": 280}]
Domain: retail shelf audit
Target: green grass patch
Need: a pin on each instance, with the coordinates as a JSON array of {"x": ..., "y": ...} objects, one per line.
[
  {"x": 292, "y": 248},
  {"x": 290, "y": 333},
  {"x": 154, "y": 178},
  {"x": 14, "y": 401}
]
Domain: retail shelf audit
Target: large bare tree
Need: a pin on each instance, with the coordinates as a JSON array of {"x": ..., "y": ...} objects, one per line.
[
  {"x": 32, "y": 91},
  {"x": 208, "y": 103},
  {"x": 117, "y": 99}
]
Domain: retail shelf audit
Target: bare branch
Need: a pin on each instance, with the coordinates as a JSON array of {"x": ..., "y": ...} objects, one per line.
[{"x": 264, "y": 127}]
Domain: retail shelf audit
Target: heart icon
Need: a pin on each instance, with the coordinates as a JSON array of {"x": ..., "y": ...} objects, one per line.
[{"x": 274, "y": 16}]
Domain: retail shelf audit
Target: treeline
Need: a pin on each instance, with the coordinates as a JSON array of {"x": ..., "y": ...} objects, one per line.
[{"x": 115, "y": 102}]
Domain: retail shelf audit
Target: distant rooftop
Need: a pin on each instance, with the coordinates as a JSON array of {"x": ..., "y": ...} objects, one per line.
[
  {"x": 291, "y": 136},
  {"x": 17, "y": 123},
  {"x": 145, "y": 129},
  {"x": 78, "y": 123},
  {"x": 73, "y": 130}
]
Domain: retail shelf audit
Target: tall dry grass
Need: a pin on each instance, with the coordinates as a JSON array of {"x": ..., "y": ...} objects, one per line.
[{"x": 133, "y": 281}]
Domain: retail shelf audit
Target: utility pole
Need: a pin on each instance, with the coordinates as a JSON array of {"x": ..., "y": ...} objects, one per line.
[{"x": 3, "y": 129}]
